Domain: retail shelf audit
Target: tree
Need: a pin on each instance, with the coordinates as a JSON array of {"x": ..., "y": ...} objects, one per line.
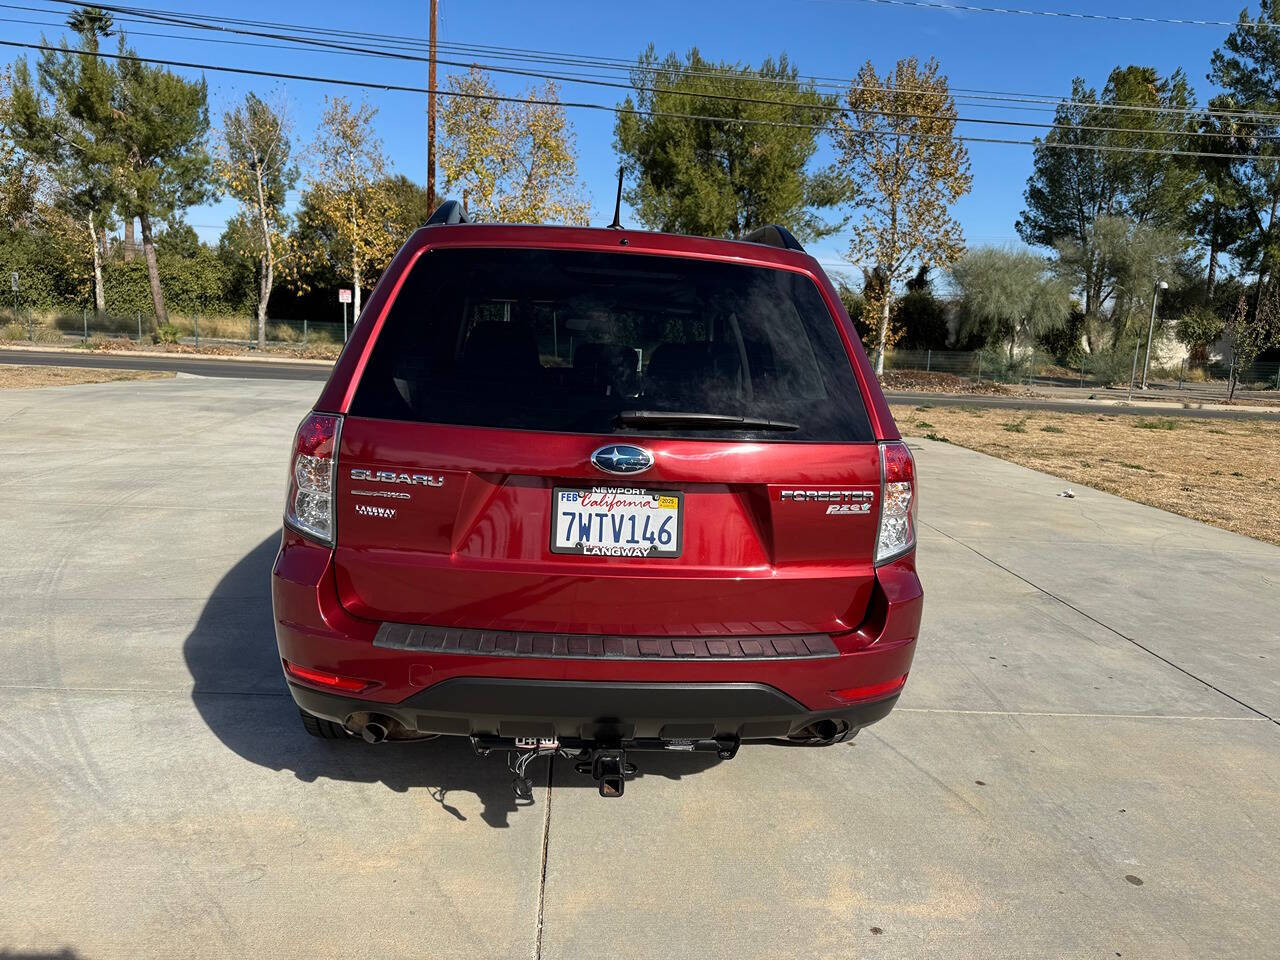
[
  {"x": 257, "y": 169},
  {"x": 1247, "y": 68},
  {"x": 411, "y": 204},
  {"x": 719, "y": 149},
  {"x": 1072, "y": 186},
  {"x": 920, "y": 316},
  {"x": 1009, "y": 296},
  {"x": 158, "y": 127},
  {"x": 19, "y": 179},
  {"x": 1250, "y": 330},
  {"x": 903, "y": 167},
  {"x": 1129, "y": 258},
  {"x": 347, "y": 201},
  {"x": 514, "y": 162},
  {"x": 70, "y": 135}
]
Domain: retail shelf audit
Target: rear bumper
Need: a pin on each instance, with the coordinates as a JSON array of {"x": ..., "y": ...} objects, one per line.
[
  {"x": 529, "y": 692},
  {"x": 474, "y": 706}
]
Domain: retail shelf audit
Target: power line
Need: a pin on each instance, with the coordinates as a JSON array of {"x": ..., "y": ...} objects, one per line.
[
  {"x": 333, "y": 46},
  {"x": 990, "y": 97},
  {"x": 609, "y": 108},
  {"x": 1071, "y": 14}
]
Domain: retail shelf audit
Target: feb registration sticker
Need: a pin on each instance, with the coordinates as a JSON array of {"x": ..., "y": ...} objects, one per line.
[{"x": 617, "y": 522}]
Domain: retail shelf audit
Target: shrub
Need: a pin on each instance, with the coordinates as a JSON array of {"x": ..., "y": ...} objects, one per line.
[
  {"x": 38, "y": 333},
  {"x": 166, "y": 333}
]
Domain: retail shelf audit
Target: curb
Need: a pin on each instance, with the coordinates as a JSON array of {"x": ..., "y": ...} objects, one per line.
[
  {"x": 1154, "y": 406},
  {"x": 161, "y": 354}
]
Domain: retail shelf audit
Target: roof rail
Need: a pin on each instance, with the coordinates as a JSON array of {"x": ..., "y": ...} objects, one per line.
[
  {"x": 774, "y": 236},
  {"x": 451, "y": 211}
]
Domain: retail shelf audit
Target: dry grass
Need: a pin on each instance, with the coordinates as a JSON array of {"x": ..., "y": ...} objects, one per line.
[
  {"x": 17, "y": 377},
  {"x": 1223, "y": 472}
]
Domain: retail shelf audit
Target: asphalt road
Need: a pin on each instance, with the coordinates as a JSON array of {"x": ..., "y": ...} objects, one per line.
[
  {"x": 262, "y": 370},
  {"x": 175, "y": 362},
  {"x": 1083, "y": 763}
]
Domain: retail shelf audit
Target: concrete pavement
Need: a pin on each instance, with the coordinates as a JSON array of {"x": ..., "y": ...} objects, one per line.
[{"x": 1083, "y": 764}]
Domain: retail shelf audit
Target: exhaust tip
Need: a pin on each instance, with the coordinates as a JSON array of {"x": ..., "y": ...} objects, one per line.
[{"x": 373, "y": 732}]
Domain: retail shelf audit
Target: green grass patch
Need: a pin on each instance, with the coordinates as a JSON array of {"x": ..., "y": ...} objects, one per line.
[
  {"x": 924, "y": 424},
  {"x": 935, "y": 436},
  {"x": 1162, "y": 423},
  {"x": 1016, "y": 426},
  {"x": 1050, "y": 428}
]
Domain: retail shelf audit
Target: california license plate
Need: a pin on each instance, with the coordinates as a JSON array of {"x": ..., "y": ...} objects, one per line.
[{"x": 617, "y": 522}]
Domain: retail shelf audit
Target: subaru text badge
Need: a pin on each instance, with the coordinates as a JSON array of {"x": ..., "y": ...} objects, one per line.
[{"x": 622, "y": 458}]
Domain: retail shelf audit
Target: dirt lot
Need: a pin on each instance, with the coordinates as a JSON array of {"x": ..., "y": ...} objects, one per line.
[
  {"x": 13, "y": 377},
  {"x": 1226, "y": 473}
]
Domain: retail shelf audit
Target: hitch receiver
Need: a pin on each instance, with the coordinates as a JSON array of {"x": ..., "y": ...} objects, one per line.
[{"x": 609, "y": 769}]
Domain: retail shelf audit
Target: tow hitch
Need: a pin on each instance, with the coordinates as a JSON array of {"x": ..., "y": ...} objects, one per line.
[{"x": 606, "y": 762}]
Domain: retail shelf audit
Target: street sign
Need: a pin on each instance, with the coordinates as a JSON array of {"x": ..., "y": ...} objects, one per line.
[{"x": 344, "y": 294}]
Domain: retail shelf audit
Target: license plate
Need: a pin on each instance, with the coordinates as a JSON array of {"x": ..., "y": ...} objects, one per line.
[{"x": 617, "y": 522}]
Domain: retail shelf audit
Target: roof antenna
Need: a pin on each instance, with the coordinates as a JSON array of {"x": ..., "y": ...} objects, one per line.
[{"x": 617, "y": 206}]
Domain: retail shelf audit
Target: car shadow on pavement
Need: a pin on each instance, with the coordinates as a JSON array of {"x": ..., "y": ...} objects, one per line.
[{"x": 240, "y": 693}]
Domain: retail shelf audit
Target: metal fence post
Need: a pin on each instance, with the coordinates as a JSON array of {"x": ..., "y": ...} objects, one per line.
[
  {"x": 1278, "y": 376},
  {"x": 1082, "y": 371},
  {"x": 196, "y": 321},
  {"x": 86, "y": 324},
  {"x": 1182, "y": 372},
  {"x": 979, "y": 366},
  {"x": 304, "y": 333},
  {"x": 928, "y": 361},
  {"x": 139, "y": 326}
]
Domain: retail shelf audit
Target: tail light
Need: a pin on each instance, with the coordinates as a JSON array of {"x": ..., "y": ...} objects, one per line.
[
  {"x": 309, "y": 506},
  {"x": 322, "y": 678},
  {"x": 897, "y": 502}
]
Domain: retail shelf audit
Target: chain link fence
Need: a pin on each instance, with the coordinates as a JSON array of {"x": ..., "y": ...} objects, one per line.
[
  {"x": 1118, "y": 367},
  {"x": 195, "y": 330}
]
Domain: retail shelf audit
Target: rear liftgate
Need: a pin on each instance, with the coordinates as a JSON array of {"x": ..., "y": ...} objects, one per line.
[{"x": 605, "y": 761}]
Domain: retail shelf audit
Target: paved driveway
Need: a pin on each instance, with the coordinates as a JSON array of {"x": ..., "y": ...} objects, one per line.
[{"x": 1083, "y": 765}]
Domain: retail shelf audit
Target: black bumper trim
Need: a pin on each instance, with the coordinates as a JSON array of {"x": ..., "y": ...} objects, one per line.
[
  {"x": 472, "y": 706},
  {"x": 507, "y": 643}
]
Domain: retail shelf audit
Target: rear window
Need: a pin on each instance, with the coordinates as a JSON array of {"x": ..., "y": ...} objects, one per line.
[{"x": 607, "y": 343}]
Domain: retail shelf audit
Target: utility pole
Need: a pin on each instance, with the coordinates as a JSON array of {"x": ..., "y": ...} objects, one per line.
[{"x": 431, "y": 104}]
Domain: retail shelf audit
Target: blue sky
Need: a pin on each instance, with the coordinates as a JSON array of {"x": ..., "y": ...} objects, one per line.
[{"x": 829, "y": 38}]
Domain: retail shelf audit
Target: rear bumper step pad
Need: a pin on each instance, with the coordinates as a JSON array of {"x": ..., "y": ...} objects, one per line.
[{"x": 502, "y": 643}]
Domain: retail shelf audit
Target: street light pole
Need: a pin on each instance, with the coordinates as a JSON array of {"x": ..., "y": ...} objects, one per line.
[{"x": 1151, "y": 329}]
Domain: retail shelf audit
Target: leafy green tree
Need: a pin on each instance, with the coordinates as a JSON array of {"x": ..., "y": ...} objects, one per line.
[
  {"x": 19, "y": 178},
  {"x": 158, "y": 127},
  {"x": 921, "y": 316},
  {"x": 63, "y": 121},
  {"x": 1071, "y": 189},
  {"x": 1247, "y": 68},
  {"x": 901, "y": 167},
  {"x": 698, "y": 164},
  {"x": 255, "y": 164},
  {"x": 1009, "y": 296},
  {"x": 411, "y": 205},
  {"x": 1131, "y": 258}
]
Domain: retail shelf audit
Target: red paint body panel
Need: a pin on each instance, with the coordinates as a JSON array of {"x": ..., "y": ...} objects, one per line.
[{"x": 474, "y": 551}]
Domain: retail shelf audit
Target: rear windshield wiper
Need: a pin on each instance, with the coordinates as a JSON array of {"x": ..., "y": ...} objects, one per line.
[{"x": 698, "y": 421}]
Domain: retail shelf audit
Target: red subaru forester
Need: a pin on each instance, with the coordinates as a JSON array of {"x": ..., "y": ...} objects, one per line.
[{"x": 594, "y": 492}]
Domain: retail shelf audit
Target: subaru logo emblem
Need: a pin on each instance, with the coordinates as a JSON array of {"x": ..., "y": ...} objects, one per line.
[{"x": 622, "y": 458}]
